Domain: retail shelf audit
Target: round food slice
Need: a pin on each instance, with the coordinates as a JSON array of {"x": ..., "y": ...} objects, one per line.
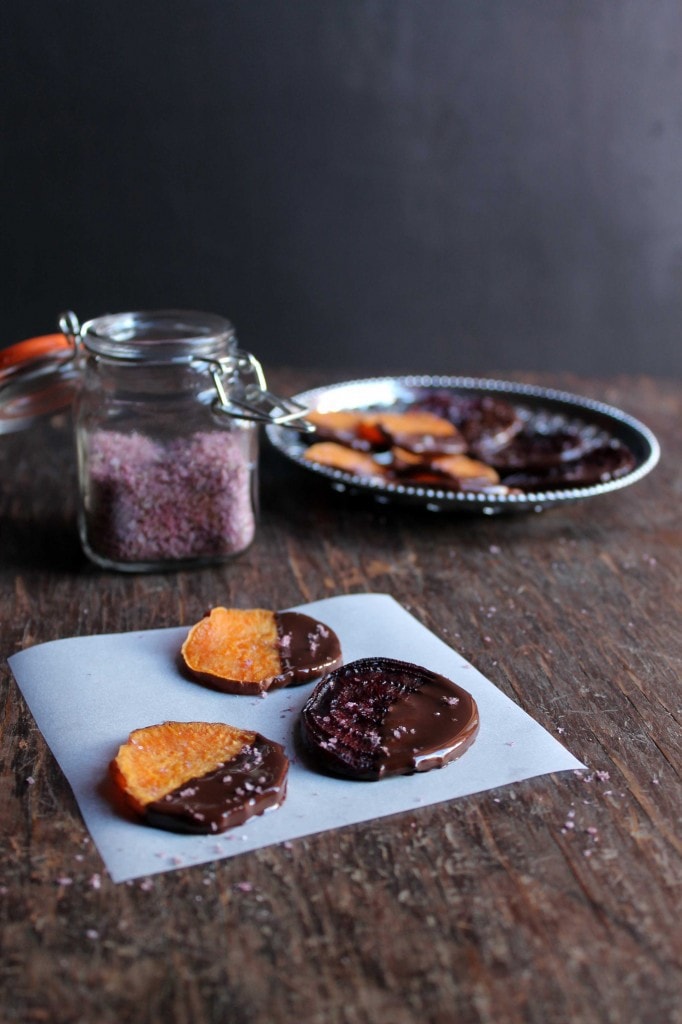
[
  {"x": 337, "y": 456},
  {"x": 250, "y": 651},
  {"x": 342, "y": 426},
  {"x": 609, "y": 461},
  {"x": 420, "y": 432},
  {"x": 199, "y": 777},
  {"x": 378, "y": 717},
  {"x": 458, "y": 472}
]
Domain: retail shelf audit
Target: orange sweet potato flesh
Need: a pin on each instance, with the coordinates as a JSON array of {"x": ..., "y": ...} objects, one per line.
[
  {"x": 376, "y": 429},
  {"x": 337, "y": 456},
  {"x": 343, "y": 421},
  {"x": 159, "y": 758},
  {"x": 415, "y": 422},
  {"x": 235, "y": 649},
  {"x": 461, "y": 467},
  {"x": 460, "y": 471}
]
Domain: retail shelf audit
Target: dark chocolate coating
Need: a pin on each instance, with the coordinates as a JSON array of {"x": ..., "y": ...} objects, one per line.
[
  {"x": 425, "y": 443},
  {"x": 533, "y": 450},
  {"x": 378, "y": 717},
  {"x": 606, "y": 462},
  {"x": 307, "y": 648},
  {"x": 249, "y": 784}
]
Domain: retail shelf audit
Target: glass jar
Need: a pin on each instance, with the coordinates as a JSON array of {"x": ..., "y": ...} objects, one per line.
[{"x": 166, "y": 412}]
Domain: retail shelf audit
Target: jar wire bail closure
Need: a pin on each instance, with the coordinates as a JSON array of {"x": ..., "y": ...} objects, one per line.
[
  {"x": 243, "y": 393},
  {"x": 69, "y": 325}
]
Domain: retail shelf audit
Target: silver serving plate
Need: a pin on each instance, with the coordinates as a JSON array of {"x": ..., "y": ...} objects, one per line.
[{"x": 400, "y": 392}]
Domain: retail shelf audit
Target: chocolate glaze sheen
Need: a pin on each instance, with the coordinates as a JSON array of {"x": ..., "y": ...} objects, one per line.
[
  {"x": 252, "y": 782},
  {"x": 609, "y": 461},
  {"x": 379, "y": 717},
  {"x": 307, "y": 648}
]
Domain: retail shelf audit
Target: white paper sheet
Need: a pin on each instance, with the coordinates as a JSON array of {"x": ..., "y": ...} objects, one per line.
[{"x": 88, "y": 693}]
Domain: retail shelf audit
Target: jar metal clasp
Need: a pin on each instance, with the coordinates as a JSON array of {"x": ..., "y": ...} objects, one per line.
[
  {"x": 242, "y": 393},
  {"x": 69, "y": 325}
]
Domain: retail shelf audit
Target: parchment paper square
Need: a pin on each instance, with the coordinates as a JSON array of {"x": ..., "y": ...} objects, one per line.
[{"x": 88, "y": 693}]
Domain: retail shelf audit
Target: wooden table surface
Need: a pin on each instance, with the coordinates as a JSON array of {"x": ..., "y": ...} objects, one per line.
[{"x": 556, "y": 899}]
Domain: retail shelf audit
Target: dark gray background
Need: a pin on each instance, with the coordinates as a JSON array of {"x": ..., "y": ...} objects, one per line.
[{"x": 436, "y": 185}]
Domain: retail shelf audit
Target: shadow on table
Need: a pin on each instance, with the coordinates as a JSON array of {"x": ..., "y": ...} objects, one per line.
[{"x": 53, "y": 543}]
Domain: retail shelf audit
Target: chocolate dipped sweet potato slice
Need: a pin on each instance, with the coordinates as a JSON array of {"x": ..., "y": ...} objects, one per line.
[
  {"x": 342, "y": 426},
  {"x": 455, "y": 472},
  {"x": 378, "y": 717},
  {"x": 199, "y": 777},
  {"x": 337, "y": 456},
  {"x": 487, "y": 422},
  {"x": 415, "y": 429},
  {"x": 419, "y": 431},
  {"x": 250, "y": 651}
]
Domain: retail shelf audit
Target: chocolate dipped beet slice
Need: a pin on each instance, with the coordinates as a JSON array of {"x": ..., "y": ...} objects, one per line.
[
  {"x": 378, "y": 717},
  {"x": 609, "y": 461}
]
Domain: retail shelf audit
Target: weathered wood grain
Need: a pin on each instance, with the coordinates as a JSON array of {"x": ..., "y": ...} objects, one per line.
[{"x": 549, "y": 901}]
